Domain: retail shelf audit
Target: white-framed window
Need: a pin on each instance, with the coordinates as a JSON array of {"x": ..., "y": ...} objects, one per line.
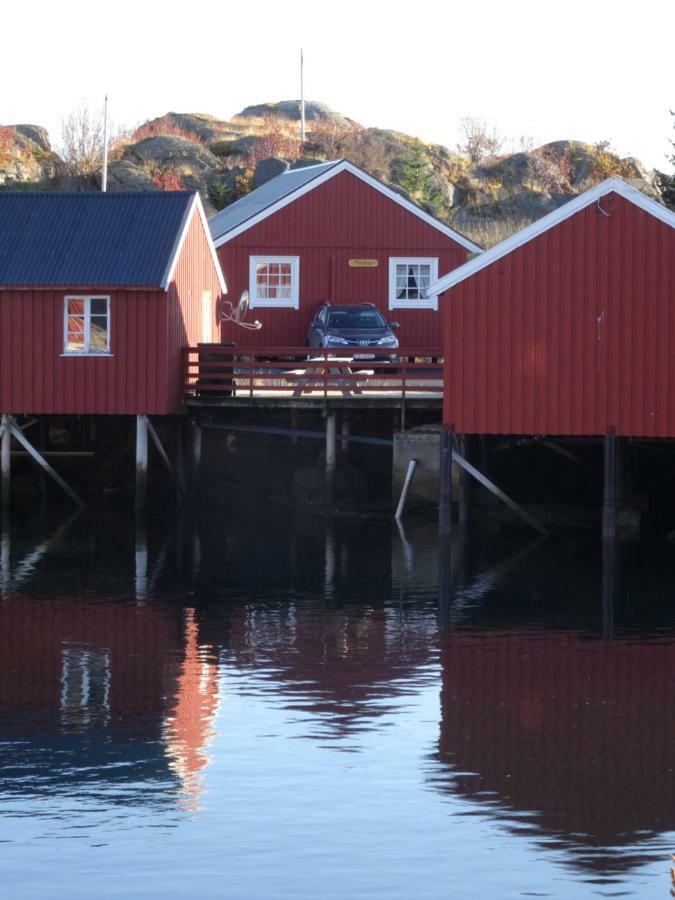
[
  {"x": 86, "y": 325},
  {"x": 409, "y": 278},
  {"x": 274, "y": 281}
]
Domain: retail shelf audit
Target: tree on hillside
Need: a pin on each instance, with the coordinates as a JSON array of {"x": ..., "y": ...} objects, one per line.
[
  {"x": 82, "y": 142},
  {"x": 414, "y": 174},
  {"x": 479, "y": 140}
]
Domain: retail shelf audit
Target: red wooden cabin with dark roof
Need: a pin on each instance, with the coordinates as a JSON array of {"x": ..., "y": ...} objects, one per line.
[
  {"x": 333, "y": 233},
  {"x": 98, "y": 294}
]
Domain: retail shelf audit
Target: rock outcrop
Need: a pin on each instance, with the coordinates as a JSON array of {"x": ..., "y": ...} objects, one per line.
[{"x": 223, "y": 159}]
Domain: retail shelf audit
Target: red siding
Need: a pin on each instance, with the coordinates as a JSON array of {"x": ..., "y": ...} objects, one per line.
[
  {"x": 36, "y": 378},
  {"x": 195, "y": 273},
  {"x": 568, "y": 334},
  {"x": 341, "y": 219}
]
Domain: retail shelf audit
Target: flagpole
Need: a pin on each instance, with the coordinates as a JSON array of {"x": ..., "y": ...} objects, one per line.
[
  {"x": 104, "y": 178},
  {"x": 302, "y": 99}
]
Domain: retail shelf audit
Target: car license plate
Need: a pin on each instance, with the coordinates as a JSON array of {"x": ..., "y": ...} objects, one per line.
[{"x": 364, "y": 356}]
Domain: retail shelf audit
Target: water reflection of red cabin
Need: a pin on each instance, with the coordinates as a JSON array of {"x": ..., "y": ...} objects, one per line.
[
  {"x": 86, "y": 667},
  {"x": 577, "y": 733}
]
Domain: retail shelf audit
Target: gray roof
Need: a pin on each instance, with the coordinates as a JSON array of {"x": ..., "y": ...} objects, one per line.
[
  {"x": 266, "y": 195},
  {"x": 90, "y": 239}
]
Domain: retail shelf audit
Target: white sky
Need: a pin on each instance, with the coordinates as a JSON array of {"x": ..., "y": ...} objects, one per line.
[{"x": 582, "y": 70}]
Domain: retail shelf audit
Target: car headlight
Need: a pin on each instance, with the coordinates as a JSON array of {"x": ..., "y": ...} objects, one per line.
[
  {"x": 388, "y": 341},
  {"x": 335, "y": 339}
]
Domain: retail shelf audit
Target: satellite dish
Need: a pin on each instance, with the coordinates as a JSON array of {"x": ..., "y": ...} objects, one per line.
[{"x": 241, "y": 308}]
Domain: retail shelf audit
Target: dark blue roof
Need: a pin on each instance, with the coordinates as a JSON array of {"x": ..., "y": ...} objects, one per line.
[{"x": 90, "y": 238}]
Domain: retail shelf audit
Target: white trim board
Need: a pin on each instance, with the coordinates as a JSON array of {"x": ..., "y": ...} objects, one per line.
[
  {"x": 594, "y": 195},
  {"x": 344, "y": 165},
  {"x": 178, "y": 246}
]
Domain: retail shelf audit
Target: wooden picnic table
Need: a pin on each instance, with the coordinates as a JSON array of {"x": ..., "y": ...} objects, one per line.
[{"x": 317, "y": 372}]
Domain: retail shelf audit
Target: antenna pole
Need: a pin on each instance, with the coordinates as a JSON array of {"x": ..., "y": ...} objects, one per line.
[
  {"x": 302, "y": 98},
  {"x": 104, "y": 177}
]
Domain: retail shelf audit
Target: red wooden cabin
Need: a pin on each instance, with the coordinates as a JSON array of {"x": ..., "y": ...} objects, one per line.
[
  {"x": 332, "y": 233},
  {"x": 567, "y": 327},
  {"x": 98, "y": 294}
]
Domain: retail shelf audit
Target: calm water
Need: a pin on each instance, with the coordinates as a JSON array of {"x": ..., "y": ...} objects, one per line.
[{"x": 270, "y": 709}]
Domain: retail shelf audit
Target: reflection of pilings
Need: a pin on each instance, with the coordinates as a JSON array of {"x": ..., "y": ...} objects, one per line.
[
  {"x": 330, "y": 455},
  {"x": 27, "y": 565},
  {"x": 141, "y": 560},
  {"x": 196, "y": 556},
  {"x": 5, "y": 572},
  {"x": 329, "y": 561}
]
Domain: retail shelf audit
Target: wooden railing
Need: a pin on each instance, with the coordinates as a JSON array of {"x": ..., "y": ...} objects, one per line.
[{"x": 221, "y": 371}]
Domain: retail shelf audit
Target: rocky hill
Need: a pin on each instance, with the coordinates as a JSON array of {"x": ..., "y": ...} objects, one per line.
[{"x": 481, "y": 192}]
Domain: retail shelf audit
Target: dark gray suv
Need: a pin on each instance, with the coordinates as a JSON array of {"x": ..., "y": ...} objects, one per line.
[{"x": 354, "y": 327}]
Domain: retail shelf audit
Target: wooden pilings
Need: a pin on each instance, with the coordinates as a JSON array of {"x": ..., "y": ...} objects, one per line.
[
  {"x": 445, "y": 526},
  {"x": 141, "y": 462},
  {"x": 5, "y": 466}
]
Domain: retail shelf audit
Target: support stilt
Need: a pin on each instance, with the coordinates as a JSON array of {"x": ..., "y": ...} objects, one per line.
[
  {"x": 463, "y": 498},
  {"x": 445, "y": 527},
  {"x": 406, "y": 485},
  {"x": 181, "y": 490},
  {"x": 459, "y": 459},
  {"x": 344, "y": 430},
  {"x": 20, "y": 438},
  {"x": 141, "y": 462}
]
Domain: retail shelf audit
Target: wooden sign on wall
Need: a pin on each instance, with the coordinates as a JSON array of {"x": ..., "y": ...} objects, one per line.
[{"x": 363, "y": 263}]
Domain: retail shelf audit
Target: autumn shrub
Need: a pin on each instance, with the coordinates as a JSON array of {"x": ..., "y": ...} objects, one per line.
[
  {"x": 7, "y": 143},
  {"x": 168, "y": 180}
]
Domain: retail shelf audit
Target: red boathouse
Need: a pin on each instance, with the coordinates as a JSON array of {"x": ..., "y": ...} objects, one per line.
[
  {"x": 98, "y": 294},
  {"x": 332, "y": 233},
  {"x": 567, "y": 328}
]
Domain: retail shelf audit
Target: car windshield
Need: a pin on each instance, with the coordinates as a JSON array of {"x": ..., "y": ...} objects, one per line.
[{"x": 355, "y": 318}]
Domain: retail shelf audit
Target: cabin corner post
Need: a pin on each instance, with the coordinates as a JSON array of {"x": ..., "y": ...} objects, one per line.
[
  {"x": 141, "y": 462},
  {"x": 445, "y": 481},
  {"x": 5, "y": 464}
]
